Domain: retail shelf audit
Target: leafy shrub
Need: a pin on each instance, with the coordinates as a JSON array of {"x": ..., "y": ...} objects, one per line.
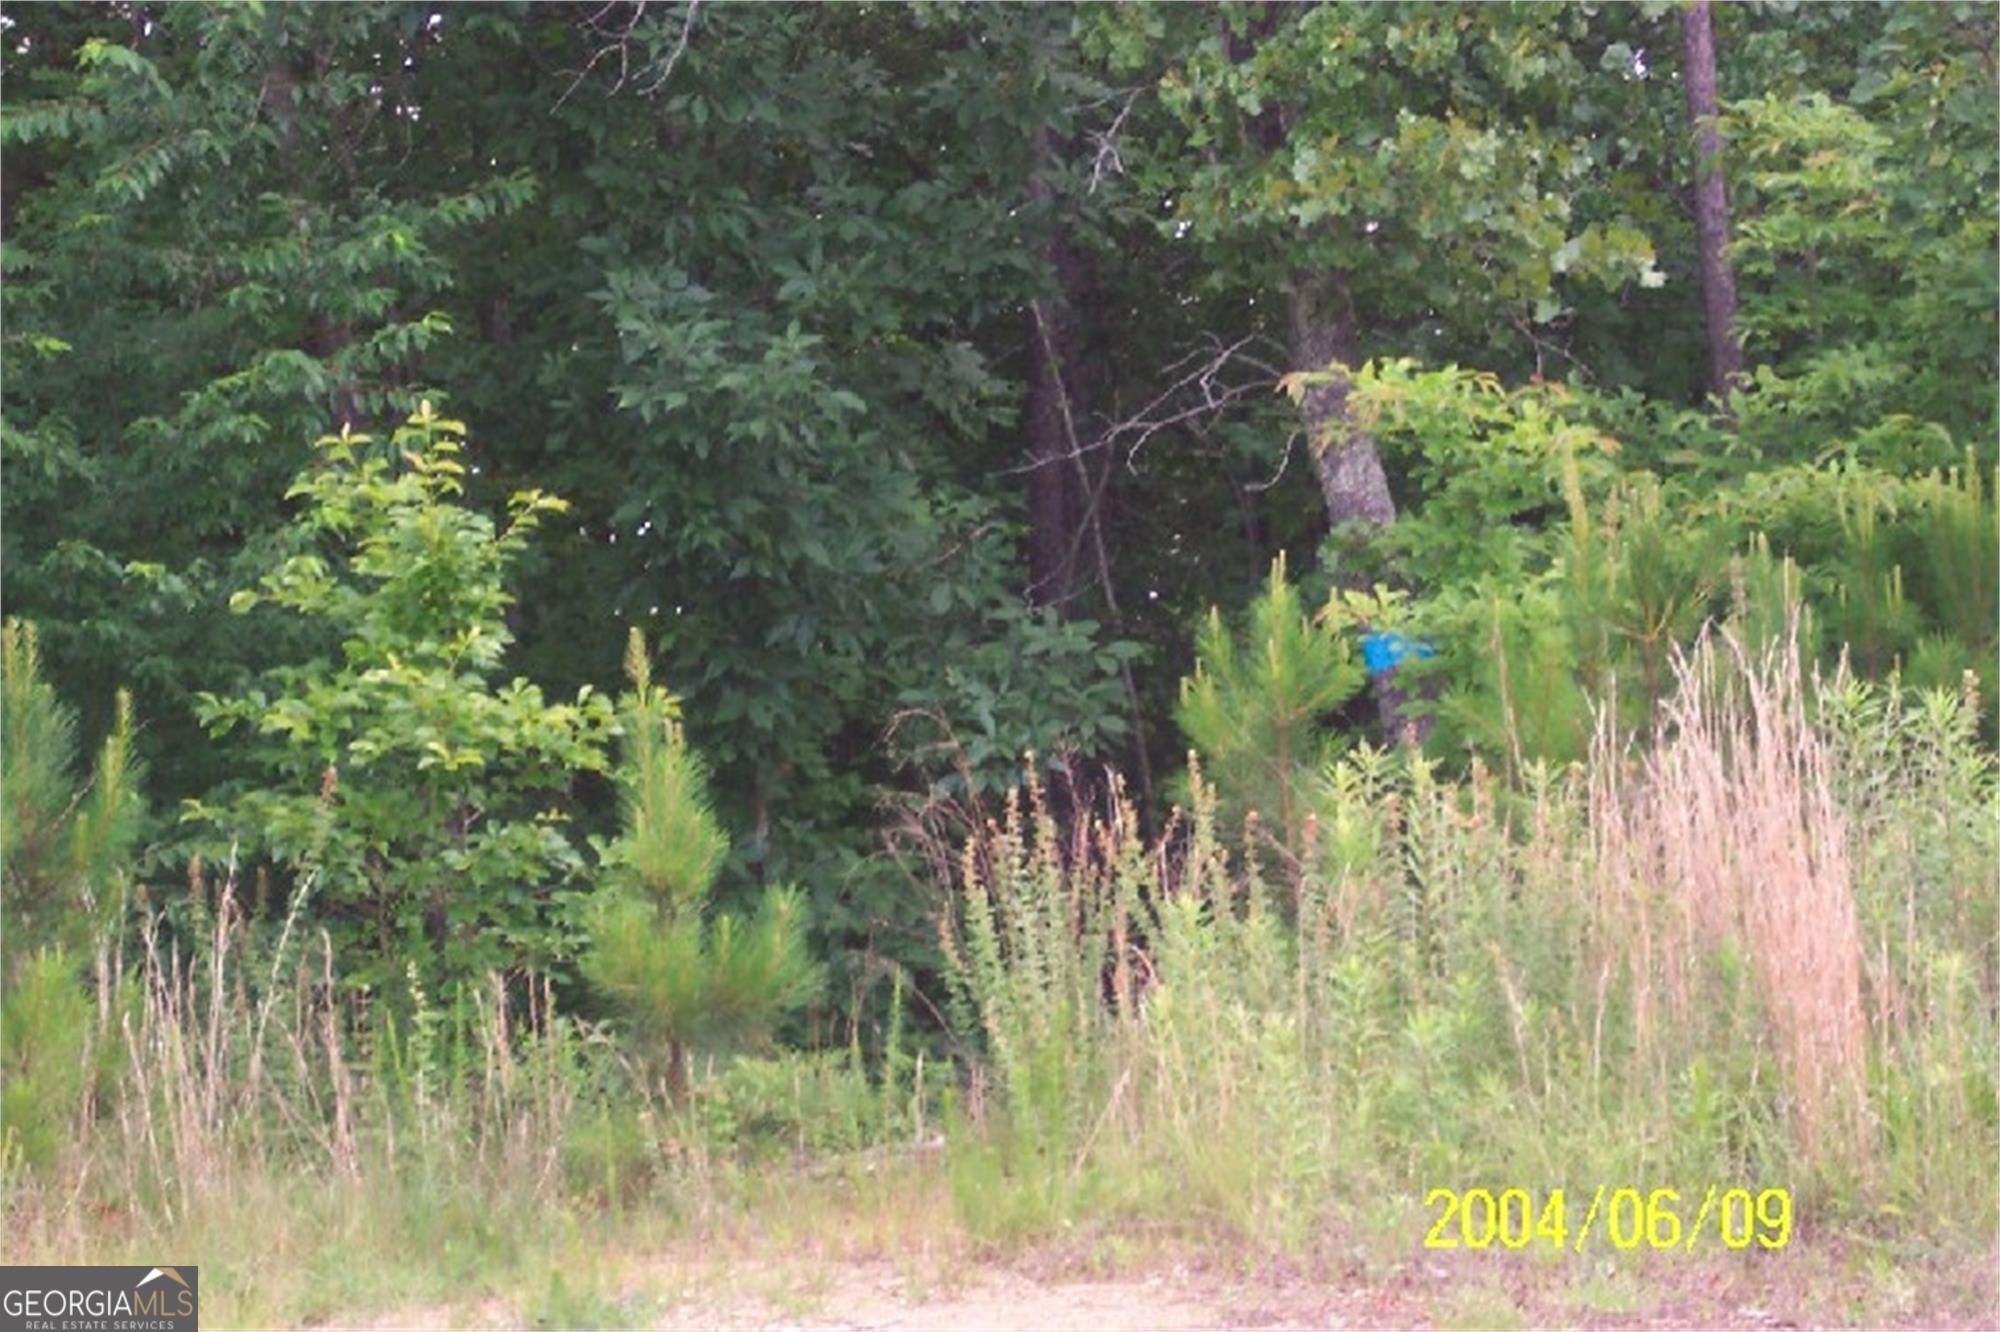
[
  {"x": 419, "y": 801},
  {"x": 1025, "y": 681},
  {"x": 799, "y": 1103},
  {"x": 1556, "y": 571},
  {"x": 1490, "y": 466}
]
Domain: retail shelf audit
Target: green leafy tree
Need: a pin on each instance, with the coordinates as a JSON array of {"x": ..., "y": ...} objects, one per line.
[
  {"x": 211, "y": 258},
  {"x": 421, "y": 800},
  {"x": 680, "y": 979},
  {"x": 785, "y": 414},
  {"x": 1378, "y": 169},
  {"x": 1866, "y": 150},
  {"x": 1869, "y": 284},
  {"x": 797, "y": 430}
]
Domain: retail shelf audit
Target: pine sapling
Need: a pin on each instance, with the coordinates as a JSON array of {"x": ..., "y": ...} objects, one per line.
[{"x": 681, "y": 978}]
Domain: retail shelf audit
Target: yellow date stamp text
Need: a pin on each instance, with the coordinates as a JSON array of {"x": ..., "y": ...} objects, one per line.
[{"x": 1624, "y": 1218}]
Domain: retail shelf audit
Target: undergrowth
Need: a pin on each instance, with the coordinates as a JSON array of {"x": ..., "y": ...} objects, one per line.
[{"x": 1757, "y": 950}]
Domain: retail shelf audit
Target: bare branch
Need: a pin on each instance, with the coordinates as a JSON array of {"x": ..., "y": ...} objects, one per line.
[
  {"x": 1093, "y": 527},
  {"x": 617, "y": 42},
  {"x": 1541, "y": 344},
  {"x": 674, "y": 56},
  {"x": 1107, "y": 158},
  {"x": 1204, "y": 379},
  {"x": 620, "y": 45},
  {"x": 1284, "y": 461}
]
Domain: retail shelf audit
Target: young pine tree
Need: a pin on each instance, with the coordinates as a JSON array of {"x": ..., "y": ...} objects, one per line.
[
  {"x": 1257, "y": 708},
  {"x": 61, "y": 847},
  {"x": 63, "y": 850},
  {"x": 680, "y": 979}
]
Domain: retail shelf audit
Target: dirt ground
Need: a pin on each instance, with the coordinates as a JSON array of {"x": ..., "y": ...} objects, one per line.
[{"x": 683, "y": 1293}]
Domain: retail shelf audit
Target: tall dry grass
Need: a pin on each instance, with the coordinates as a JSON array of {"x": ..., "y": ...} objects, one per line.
[
  {"x": 1734, "y": 837},
  {"x": 1649, "y": 969},
  {"x": 269, "y": 1118}
]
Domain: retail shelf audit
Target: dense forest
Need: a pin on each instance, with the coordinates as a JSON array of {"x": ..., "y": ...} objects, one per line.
[{"x": 1219, "y": 612}]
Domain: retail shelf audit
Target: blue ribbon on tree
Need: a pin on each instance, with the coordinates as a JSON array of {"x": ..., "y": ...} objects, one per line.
[{"x": 1384, "y": 652}]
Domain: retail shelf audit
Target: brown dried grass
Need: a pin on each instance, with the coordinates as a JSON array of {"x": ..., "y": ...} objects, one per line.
[{"x": 1730, "y": 835}]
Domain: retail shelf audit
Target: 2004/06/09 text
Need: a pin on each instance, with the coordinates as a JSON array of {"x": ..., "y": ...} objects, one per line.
[{"x": 1629, "y": 1218}]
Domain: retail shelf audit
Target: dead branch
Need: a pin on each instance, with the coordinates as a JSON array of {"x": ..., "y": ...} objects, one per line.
[
  {"x": 618, "y": 42},
  {"x": 1107, "y": 158}
]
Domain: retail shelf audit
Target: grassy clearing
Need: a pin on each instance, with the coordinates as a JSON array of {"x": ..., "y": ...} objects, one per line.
[{"x": 1759, "y": 952}]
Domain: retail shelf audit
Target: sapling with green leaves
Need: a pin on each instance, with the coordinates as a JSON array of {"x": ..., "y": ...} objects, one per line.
[
  {"x": 422, "y": 798},
  {"x": 680, "y": 979}
]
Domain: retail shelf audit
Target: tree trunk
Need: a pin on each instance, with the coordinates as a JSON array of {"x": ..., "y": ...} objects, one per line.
[
  {"x": 1711, "y": 202},
  {"x": 1056, "y": 501},
  {"x": 1350, "y": 470}
]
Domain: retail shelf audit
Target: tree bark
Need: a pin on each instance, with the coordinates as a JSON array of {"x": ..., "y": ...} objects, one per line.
[
  {"x": 1057, "y": 504},
  {"x": 1325, "y": 331},
  {"x": 1711, "y": 202},
  {"x": 1349, "y": 468}
]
